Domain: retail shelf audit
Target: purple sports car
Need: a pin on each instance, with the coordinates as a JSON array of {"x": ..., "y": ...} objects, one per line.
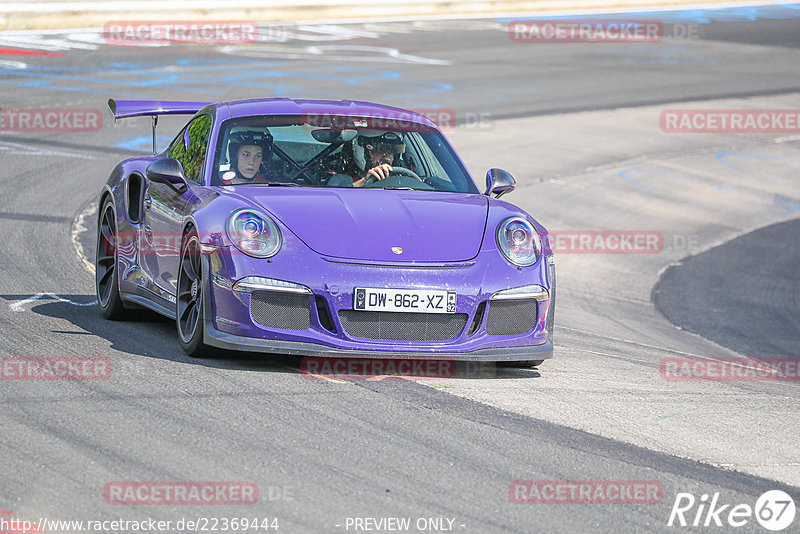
[{"x": 322, "y": 228}]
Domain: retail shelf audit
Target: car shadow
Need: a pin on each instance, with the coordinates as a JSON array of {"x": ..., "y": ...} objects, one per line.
[
  {"x": 148, "y": 334},
  {"x": 143, "y": 333}
]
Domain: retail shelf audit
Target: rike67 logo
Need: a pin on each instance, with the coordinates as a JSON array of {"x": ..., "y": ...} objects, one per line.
[{"x": 774, "y": 510}]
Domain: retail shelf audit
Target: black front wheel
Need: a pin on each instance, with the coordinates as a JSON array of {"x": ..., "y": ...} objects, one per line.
[{"x": 189, "y": 309}]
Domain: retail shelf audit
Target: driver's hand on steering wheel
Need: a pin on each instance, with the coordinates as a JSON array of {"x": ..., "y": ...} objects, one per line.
[{"x": 380, "y": 171}]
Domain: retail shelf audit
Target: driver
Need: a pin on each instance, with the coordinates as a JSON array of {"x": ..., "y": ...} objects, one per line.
[
  {"x": 246, "y": 151},
  {"x": 373, "y": 154}
]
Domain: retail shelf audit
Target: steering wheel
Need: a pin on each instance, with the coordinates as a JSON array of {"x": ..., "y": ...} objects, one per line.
[{"x": 397, "y": 172}]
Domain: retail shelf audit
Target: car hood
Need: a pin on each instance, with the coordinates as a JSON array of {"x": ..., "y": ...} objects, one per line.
[{"x": 380, "y": 225}]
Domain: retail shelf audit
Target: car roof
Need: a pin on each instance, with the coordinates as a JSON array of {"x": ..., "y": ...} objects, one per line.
[{"x": 352, "y": 108}]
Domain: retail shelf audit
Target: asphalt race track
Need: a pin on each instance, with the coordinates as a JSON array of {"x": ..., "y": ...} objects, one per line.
[
  {"x": 764, "y": 324},
  {"x": 577, "y": 124}
]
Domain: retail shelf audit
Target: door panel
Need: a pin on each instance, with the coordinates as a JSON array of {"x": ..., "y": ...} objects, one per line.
[{"x": 168, "y": 208}]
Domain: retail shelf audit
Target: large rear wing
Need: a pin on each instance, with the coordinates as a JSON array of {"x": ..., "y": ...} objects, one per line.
[{"x": 123, "y": 109}]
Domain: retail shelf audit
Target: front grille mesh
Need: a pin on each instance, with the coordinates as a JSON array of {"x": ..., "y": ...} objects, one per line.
[
  {"x": 274, "y": 309},
  {"x": 511, "y": 317},
  {"x": 402, "y": 326}
]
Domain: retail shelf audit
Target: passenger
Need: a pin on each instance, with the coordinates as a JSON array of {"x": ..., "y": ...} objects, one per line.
[{"x": 247, "y": 150}]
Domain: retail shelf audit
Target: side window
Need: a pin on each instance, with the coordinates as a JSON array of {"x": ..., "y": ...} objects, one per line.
[{"x": 190, "y": 147}]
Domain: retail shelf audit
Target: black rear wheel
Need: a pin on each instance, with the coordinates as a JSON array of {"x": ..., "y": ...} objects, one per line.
[{"x": 106, "y": 260}]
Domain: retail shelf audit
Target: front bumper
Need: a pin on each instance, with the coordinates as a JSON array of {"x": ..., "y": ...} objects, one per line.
[
  {"x": 215, "y": 338},
  {"x": 230, "y": 325}
]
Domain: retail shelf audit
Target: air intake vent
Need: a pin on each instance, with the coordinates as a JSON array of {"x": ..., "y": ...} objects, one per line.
[
  {"x": 324, "y": 315},
  {"x": 275, "y": 309},
  {"x": 511, "y": 317},
  {"x": 402, "y": 326},
  {"x": 476, "y": 321}
]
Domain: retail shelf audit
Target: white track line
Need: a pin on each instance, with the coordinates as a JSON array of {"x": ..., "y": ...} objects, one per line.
[
  {"x": 78, "y": 227},
  {"x": 17, "y": 306}
]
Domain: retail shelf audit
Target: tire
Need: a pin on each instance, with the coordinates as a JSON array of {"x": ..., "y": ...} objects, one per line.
[
  {"x": 106, "y": 265},
  {"x": 189, "y": 316},
  {"x": 524, "y": 364}
]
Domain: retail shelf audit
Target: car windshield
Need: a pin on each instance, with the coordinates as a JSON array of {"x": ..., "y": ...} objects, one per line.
[{"x": 337, "y": 152}]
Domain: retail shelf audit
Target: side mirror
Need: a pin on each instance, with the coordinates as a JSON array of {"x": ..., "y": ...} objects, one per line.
[
  {"x": 167, "y": 171},
  {"x": 499, "y": 182}
]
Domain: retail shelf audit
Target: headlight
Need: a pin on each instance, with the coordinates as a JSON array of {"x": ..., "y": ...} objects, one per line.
[
  {"x": 253, "y": 233},
  {"x": 519, "y": 241}
]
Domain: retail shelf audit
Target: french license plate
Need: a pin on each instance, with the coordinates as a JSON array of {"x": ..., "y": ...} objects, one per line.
[{"x": 404, "y": 300}]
